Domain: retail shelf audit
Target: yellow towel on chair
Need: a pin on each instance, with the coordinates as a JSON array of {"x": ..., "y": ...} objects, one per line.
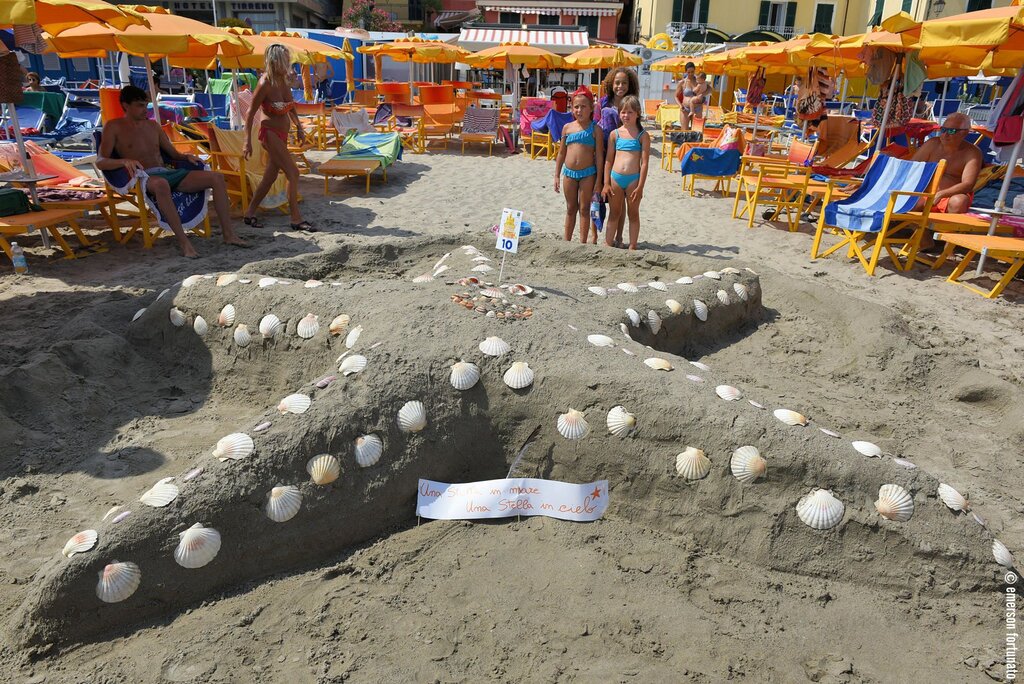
[{"x": 232, "y": 142}]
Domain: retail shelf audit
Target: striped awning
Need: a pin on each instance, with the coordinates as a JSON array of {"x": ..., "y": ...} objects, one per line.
[
  {"x": 556, "y": 11},
  {"x": 453, "y": 17},
  {"x": 559, "y": 42}
]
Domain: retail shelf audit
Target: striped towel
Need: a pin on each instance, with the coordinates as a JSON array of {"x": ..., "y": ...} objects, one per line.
[
  {"x": 864, "y": 210},
  {"x": 479, "y": 120}
]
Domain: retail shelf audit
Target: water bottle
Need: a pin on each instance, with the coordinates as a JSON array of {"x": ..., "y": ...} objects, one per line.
[
  {"x": 595, "y": 213},
  {"x": 18, "y": 259},
  {"x": 1018, "y": 204}
]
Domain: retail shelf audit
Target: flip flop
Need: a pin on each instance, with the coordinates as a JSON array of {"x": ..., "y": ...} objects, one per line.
[
  {"x": 252, "y": 221},
  {"x": 305, "y": 227}
]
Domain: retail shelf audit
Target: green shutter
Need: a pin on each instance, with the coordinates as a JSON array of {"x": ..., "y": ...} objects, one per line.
[
  {"x": 823, "y": 18},
  {"x": 906, "y": 5},
  {"x": 975, "y": 5},
  {"x": 762, "y": 15},
  {"x": 790, "y": 14},
  {"x": 876, "y": 17},
  {"x": 702, "y": 17},
  {"x": 677, "y": 10}
]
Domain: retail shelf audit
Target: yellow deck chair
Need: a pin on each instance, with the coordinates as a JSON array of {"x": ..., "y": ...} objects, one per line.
[
  {"x": 243, "y": 175},
  {"x": 1007, "y": 250},
  {"x": 413, "y": 136},
  {"x": 776, "y": 182},
  {"x": 439, "y": 122},
  {"x": 49, "y": 220}
]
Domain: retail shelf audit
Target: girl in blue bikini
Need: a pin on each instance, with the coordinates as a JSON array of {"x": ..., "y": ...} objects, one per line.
[
  {"x": 580, "y": 157},
  {"x": 629, "y": 148}
]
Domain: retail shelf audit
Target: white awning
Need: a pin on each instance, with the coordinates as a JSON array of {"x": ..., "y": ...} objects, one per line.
[
  {"x": 555, "y": 11},
  {"x": 453, "y": 17},
  {"x": 559, "y": 42}
]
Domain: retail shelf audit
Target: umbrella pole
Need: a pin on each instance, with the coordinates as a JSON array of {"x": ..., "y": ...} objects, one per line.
[
  {"x": 945, "y": 87},
  {"x": 888, "y": 107},
  {"x": 236, "y": 113},
  {"x": 152, "y": 91},
  {"x": 411, "y": 79},
  {"x": 842, "y": 98},
  {"x": 26, "y": 161}
]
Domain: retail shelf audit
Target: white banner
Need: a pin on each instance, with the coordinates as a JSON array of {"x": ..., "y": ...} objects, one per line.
[
  {"x": 508, "y": 230},
  {"x": 513, "y": 496}
]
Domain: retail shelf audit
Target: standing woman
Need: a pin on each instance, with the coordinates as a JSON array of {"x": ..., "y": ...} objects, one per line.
[
  {"x": 273, "y": 96},
  {"x": 689, "y": 99}
]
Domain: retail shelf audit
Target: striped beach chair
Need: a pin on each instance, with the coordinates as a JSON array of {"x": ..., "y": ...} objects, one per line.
[{"x": 888, "y": 198}]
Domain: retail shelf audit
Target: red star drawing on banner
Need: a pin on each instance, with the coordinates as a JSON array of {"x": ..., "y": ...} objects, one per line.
[{"x": 596, "y": 494}]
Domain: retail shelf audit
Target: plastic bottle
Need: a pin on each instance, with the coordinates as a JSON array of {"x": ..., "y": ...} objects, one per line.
[
  {"x": 595, "y": 213},
  {"x": 18, "y": 259}
]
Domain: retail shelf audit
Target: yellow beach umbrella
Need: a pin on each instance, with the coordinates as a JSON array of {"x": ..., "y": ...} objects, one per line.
[
  {"x": 515, "y": 53},
  {"x": 972, "y": 37},
  {"x": 417, "y": 50},
  {"x": 57, "y": 16},
  {"x": 350, "y": 73},
  {"x": 677, "y": 65},
  {"x": 303, "y": 51},
  {"x": 602, "y": 58}
]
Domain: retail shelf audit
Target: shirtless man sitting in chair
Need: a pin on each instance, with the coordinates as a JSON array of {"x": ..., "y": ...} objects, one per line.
[
  {"x": 963, "y": 162},
  {"x": 138, "y": 142}
]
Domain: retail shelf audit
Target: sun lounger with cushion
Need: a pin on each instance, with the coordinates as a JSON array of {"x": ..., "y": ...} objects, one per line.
[{"x": 1008, "y": 250}]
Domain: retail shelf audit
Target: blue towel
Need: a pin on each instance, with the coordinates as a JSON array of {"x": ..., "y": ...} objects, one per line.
[
  {"x": 864, "y": 210},
  {"x": 707, "y": 161}
]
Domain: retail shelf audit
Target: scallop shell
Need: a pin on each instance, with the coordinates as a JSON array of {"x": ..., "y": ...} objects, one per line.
[
  {"x": 226, "y": 279},
  {"x": 294, "y": 403},
  {"x": 368, "y": 450},
  {"x": 412, "y": 417},
  {"x": 270, "y": 325},
  {"x": 200, "y": 327},
  {"x": 283, "y": 503},
  {"x": 599, "y": 291},
  {"x": 868, "y": 449},
  {"x": 820, "y": 509},
  {"x": 730, "y": 270},
  {"x": 723, "y": 297},
  {"x": 311, "y": 283},
  {"x": 226, "y": 317},
  {"x": 904, "y": 463},
  {"x": 339, "y": 324},
  {"x": 495, "y": 346},
  {"x": 631, "y": 288},
  {"x": 177, "y": 317},
  {"x": 521, "y": 290},
  {"x": 519, "y": 375},
  {"x": 308, "y": 326},
  {"x": 830, "y": 433},
  {"x": 423, "y": 278},
  {"x": 658, "y": 285},
  {"x": 747, "y": 464},
  {"x": 481, "y": 259},
  {"x": 658, "y": 364},
  {"x": 572, "y": 425},
  {"x": 894, "y": 503},
  {"x": 464, "y": 375},
  {"x": 118, "y": 581},
  {"x": 728, "y": 392},
  {"x": 741, "y": 291},
  {"x": 953, "y": 499},
  {"x": 482, "y": 268},
  {"x": 266, "y": 282},
  {"x": 1002, "y": 554},
  {"x": 80, "y": 543},
  {"x": 352, "y": 364},
  {"x": 685, "y": 280},
  {"x": 634, "y": 317},
  {"x": 693, "y": 464},
  {"x": 600, "y": 340},
  {"x": 353, "y": 336},
  {"x": 492, "y": 292},
  {"x": 197, "y": 546},
  {"x": 700, "y": 309},
  {"x": 790, "y": 417},
  {"x": 714, "y": 275},
  {"x": 160, "y": 494},
  {"x": 620, "y": 421},
  {"x": 234, "y": 447},
  {"x": 701, "y": 366},
  {"x": 323, "y": 469},
  {"x": 654, "y": 321},
  {"x": 674, "y": 306},
  {"x": 242, "y": 336},
  {"x": 138, "y": 314}
]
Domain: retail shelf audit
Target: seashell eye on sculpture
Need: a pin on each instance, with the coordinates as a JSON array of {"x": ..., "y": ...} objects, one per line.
[
  {"x": 573, "y": 425},
  {"x": 692, "y": 464}
]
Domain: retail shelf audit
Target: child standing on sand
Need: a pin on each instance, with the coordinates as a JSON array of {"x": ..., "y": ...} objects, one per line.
[
  {"x": 629, "y": 148},
  {"x": 580, "y": 160}
]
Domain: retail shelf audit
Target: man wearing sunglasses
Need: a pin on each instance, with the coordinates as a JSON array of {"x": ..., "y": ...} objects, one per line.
[{"x": 963, "y": 162}]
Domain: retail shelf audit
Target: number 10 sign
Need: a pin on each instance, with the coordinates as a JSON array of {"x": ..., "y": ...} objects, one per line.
[{"x": 508, "y": 230}]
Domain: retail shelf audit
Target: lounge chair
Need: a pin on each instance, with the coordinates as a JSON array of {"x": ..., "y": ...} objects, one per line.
[
  {"x": 886, "y": 200},
  {"x": 347, "y": 121},
  {"x": 1008, "y": 250},
  {"x": 408, "y": 122},
  {"x": 48, "y": 220},
  {"x": 243, "y": 175},
  {"x": 479, "y": 126},
  {"x": 439, "y": 121},
  {"x": 362, "y": 154},
  {"x": 778, "y": 182},
  {"x": 76, "y": 125}
]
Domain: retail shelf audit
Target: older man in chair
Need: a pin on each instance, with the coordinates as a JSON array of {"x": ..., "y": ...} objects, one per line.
[
  {"x": 963, "y": 163},
  {"x": 140, "y": 144}
]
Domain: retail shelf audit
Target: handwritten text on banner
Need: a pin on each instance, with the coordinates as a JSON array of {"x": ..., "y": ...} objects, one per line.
[{"x": 508, "y": 497}]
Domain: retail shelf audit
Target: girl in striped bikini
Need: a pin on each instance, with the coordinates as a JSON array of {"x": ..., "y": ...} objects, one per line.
[{"x": 580, "y": 160}]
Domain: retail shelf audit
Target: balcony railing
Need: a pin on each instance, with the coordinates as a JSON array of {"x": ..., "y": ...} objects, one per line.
[
  {"x": 678, "y": 28},
  {"x": 785, "y": 31}
]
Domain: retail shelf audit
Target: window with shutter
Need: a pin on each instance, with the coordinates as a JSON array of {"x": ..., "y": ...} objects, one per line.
[
  {"x": 975, "y": 5},
  {"x": 906, "y": 5},
  {"x": 762, "y": 15},
  {"x": 790, "y": 14},
  {"x": 823, "y": 18},
  {"x": 876, "y": 16}
]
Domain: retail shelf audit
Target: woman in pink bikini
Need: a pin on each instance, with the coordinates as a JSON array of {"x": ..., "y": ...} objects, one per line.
[{"x": 273, "y": 96}]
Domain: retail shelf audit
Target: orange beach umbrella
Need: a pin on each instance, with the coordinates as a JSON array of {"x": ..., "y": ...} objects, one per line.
[
  {"x": 515, "y": 53},
  {"x": 57, "y": 16}
]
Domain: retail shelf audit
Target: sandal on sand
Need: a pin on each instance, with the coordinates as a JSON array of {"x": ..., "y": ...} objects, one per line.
[
  {"x": 252, "y": 221},
  {"x": 305, "y": 227}
]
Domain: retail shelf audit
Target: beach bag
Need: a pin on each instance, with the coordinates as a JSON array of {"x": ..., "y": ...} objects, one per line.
[
  {"x": 756, "y": 148},
  {"x": 899, "y": 113},
  {"x": 14, "y": 201},
  {"x": 730, "y": 139},
  {"x": 755, "y": 88},
  {"x": 1010, "y": 115},
  {"x": 11, "y": 77}
]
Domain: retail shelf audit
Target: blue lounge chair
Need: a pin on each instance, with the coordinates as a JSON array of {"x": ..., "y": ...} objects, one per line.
[
  {"x": 28, "y": 119},
  {"x": 76, "y": 125}
]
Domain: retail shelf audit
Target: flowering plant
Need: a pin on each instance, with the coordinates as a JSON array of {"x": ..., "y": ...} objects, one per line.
[{"x": 363, "y": 14}]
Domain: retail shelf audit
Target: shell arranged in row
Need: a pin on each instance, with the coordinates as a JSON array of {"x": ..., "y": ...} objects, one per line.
[
  {"x": 138, "y": 314},
  {"x": 294, "y": 403},
  {"x": 118, "y": 581},
  {"x": 723, "y": 297},
  {"x": 714, "y": 275},
  {"x": 685, "y": 280},
  {"x": 307, "y": 326},
  {"x": 339, "y": 324},
  {"x": 270, "y": 325},
  {"x": 226, "y": 279},
  {"x": 160, "y": 494},
  {"x": 790, "y": 417},
  {"x": 868, "y": 449},
  {"x": 1002, "y": 554},
  {"x": 658, "y": 364},
  {"x": 200, "y": 326},
  {"x": 242, "y": 336},
  {"x": 630, "y": 288},
  {"x": 226, "y": 317},
  {"x": 368, "y": 450},
  {"x": 283, "y": 503},
  {"x": 234, "y": 447},
  {"x": 634, "y": 317},
  {"x": 658, "y": 285},
  {"x": 820, "y": 509},
  {"x": 654, "y": 321},
  {"x": 353, "y": 336},
  {"x": 519, "y": 375},
  {"x": 894, "y": 503},
  {"x": 693, "y": 464},
  {"x": 741, "y": 291},
  {"x": 80, "y": 543},
  {"x": 599, "y": 291},
  {"x": 495, "y": 346},
  {"x": 197, "y": 547},
  {"x": 323, "y": 469},
  {"x": 412, "y": 417},
  {"x": 464, "y": 375},
  {"x": 177, "y": 317},
  {"x": 747, "y": 465},
  {"x": 573, "y": 425},
  {"x": 700, "y": 310},
  {"x": 953, "y": 499},
  {"x": 191, "y": 280},
  {"x": 728, "y": 392},
  {"x": 600, "y": 340},
  {"x": 352, "y": 364},
  {"x": 674, "y": 306},
  {"x": 621, "y": 422}
]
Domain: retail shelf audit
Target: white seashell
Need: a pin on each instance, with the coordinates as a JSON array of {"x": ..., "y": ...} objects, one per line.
[
  {"x": 730, "y": 270},
  {"x": 830, "y": 433},
  {"x": 423, "y": 278},
  {"x": 495, "y": 346},
  {"x": 519, "y": 375},
  {"x": 226, "y": 317},
  {"x": 162, "y": 293},
  {"x": 160, "y": 494},
  {"x": 658, "y": 364},
  {"x": 480, "y": 259},
  {"x": 442, "y": 260},
  {"x": 464, "y": 375},
  {"x": 283, "y": 503},
  {"x": 894, "y": 503},
  {"x": 192, "y": 474},
  {"x": 262, "y": 426},
  {"x": 904, "y": 463},
  {"x": 521, "y": 290},
  {"x": 138, "y": 314},
  {"x": 492, "y": 292},
  {"x": 1002, "y": 554},
  {"x": 412, "y": 417},
  {"x": 353, "y": 336},
  {"x": 270, "y": 325},
  {"x": 701, "y": 366},
  {"x": 714, "y": 275},
  {"x": 80, "y": 543},
  {"x": 621, "y": 422},
  {"x": 820, "y": 509},
  {"x": 200, "y": 327},
  {"x": 654, "y": 321},
  {"x": 747, "y": 464},
  {"x": 244, "y": 281},
  {"x": 482, "y": 268},
  {"x": 628, "y": 353},
  {"x": 700, "y": 310},
  {"x": 339, "y": 324},
  {"x": 625, "y": 331},
  {"x": 658, "y": 285},
  {"x": 368, "y": 450},
  {"x": 226, "y": 279},
  {"x": 673, "y": 306},
  {"x": 572, "y": 425},
  {"x": 741, "y": 291},
  {"x": 600, "y": 340},
  {"x": 307, "y": 326},
  {"x": 978, "y": 519},
  {"x": 118, "y": 581},
  {"x": 755, "y": 404},
  {"x": 723, "y": 297},
  {"x": 631, "y": 288},
  {"x": 294, "y": 403},
  {"x": 685, "y": 280},
  {"x": 953, "y": 499},
  {"x": 694, "y": 378},
  {"x": 197, "y": 546},
  {"x": 177, "y": 317},
  {"x": 266, "y": 282},
  {"x": 311, "y": 283},
  {"x": 191, "y": 280},
  {"x": 693, "y": 464},
  {"x": 352, "y": 364},
  {"x": 242, "y": 336},
  {"x": 323, "y": 469},
  {"x": 634, "y": 317},
  {"x": 599, "y": 291},
  {"x": 728, "y": 392},
  {"x": 234, "y": 447},
  {"x": 790, "y": 417},
  {"x": 440, "y": 269},
  {"x": 868, "y": 449},
  {"x": 112, "y": 511}
]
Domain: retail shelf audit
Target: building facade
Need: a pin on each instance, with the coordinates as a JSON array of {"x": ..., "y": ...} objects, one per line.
[
  {"x": 600, "y": 19},
  {"x": 261, "y": 15}
]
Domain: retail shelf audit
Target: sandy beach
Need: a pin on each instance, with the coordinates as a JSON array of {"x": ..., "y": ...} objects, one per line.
[{"x": 94, "y": 411}]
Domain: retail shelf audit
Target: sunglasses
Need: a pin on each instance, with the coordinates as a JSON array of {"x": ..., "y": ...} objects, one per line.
[{"x": 951, "y": 131}]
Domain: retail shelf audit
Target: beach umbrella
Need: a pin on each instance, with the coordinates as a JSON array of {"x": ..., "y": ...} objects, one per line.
[
  {"x": 677, "y": 65},
  {"x": 414, "y": 50},
  {"x": 520, "y": 54},
  {"x": 304, "y": 51},
  {"x": 350, "y": 73},
  {"x": 602, "y": 58}
]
